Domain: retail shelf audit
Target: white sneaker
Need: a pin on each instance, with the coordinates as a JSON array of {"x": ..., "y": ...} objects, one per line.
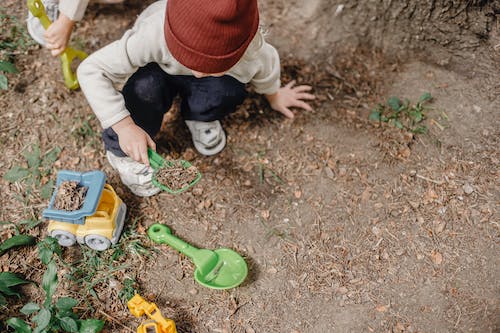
[
  {"x": 135, "y": 175},
  {"x": 208, "y": 137},
  {"x": 35, "y": 28}
]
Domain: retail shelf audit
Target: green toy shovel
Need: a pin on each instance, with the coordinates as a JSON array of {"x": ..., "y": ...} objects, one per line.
[
  {"x": 38, "y": 10},
  {"x": 219, "y": 269},
  {"x": 157, "y": 162}
]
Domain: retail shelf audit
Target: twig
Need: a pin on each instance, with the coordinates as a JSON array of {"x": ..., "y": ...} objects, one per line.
[
  {"x": 438, "y": 182},
  {"x": 117, "y": 321}
]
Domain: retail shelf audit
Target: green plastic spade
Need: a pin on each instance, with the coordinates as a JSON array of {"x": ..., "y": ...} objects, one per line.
[
  {"x": 157, "y": 162},
  {"x": 219, "y": 269},
  {"x": 70, "y": 80}
]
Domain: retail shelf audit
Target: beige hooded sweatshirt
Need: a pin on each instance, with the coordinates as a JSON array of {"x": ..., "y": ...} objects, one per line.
[{"x": 145, "y": 43}]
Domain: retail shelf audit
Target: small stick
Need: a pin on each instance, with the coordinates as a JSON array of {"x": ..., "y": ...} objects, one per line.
[
  {"x": 438, "y": 182},
  {"x": 117, "y": 321}
]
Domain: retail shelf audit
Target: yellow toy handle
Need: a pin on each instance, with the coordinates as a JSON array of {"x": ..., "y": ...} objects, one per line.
[
  {"x": 138, "y": 306},
  {"x": 69, "y": 54}
]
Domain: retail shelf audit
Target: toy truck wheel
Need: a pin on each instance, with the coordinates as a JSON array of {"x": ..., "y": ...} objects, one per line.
[
  {"x": 97, "y": 242},
  {"x": 64, "y": 238}
]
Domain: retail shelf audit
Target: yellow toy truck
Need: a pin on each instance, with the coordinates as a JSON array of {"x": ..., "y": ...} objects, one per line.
[
  {"x": 98, "y": 223},
  {"x": 138, "y": 306}
]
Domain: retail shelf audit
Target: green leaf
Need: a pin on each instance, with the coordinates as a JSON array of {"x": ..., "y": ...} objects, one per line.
[
  {"x": 4, "y": 82},
  {"x": 418, "y": 117},
  {"x": 46, "y": 190},
  {"x": 42, "y": 319},
  {"x": 47, "y": 247},
  {"x": 19, "y": 325},
  {"x": 91, "y": 326},
  {"x": 11, "y": 279},
  {"x": 425, "y": 97},
  {"x": 8, "y": 67},
  {"x": 68, "y": 324},
  {"x": 49, "y": 282},
  {"x": 17, "y": 240},
  {"x": 398, "y": 124},
  {"x": 420, "y": 130},
  {"x": 4, "y": 289},
  {"x": 45, "y": 255},
  {"x": 374, "y": 115},
  {"x": 16, "y": 173},
  {"x": 66, "y": 303},
  {"x": 33, "y": 157},
  {"x": 30, "y": 308},
  {"x": 3, "y": 300},
  {"x": 394, "y": 103},
  {"x": 51, "y": 156}
]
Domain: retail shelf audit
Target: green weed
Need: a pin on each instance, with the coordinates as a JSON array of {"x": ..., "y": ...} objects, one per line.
[
  {"x": 37, "y": 167},
  {"x": 128, "y": 291},
  {"x": 14, "y": 39},
  {"x": 6, "y": 67},
  {"x": 84, "y": 132},
  {"x": 96, "y": 269},
  {"x": 263, "y": 169},
  {"x": 52, "y": 316},
  {"x": 402, "y": 114}
]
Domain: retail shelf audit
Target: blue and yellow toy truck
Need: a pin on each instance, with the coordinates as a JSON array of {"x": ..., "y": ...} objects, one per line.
[{"x": 98, "y": 223}]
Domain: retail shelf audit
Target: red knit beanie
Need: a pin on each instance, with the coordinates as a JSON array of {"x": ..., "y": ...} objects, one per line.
[{"x": 210, "y": 36}]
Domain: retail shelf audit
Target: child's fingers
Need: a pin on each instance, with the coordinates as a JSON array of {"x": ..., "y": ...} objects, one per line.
[
  {"x": 290, "y": 84},
  {"x": 57, "y": 52},
  {"x": 151, "y": 143},
  {"x": 302, "y": 88},
  {"x": 305, "y": 96},
  {"x": 303, "y": 105},
  {"x": 287, "y": 112},
  {"x": 144, "y": 155}
]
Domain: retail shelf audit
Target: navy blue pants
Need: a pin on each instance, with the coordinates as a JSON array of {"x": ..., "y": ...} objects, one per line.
[{"x": 150, "y": 91}]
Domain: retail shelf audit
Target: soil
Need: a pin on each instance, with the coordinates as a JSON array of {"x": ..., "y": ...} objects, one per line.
[
  {"x": 70, "y": 196},
  {"x": 176, "y": 176},
  {"x": 346, "y": 225}
]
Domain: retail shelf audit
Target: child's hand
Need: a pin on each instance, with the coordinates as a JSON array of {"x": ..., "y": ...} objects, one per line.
[
  {"x": 58, "y": 33},
  {"x": 133, "y": 140},
  {"x": 289, "y": 96}
]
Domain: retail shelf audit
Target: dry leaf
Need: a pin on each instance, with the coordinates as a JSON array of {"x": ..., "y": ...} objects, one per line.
[
  {"x": 265, "y": 214},
  {"x": 298, "y": 194},
  {"x": 329, "y": 173},
  {"x": 438, "y": 226},
  {"x": 381, "y": 308},
  {"x": 436, "y": 257}
]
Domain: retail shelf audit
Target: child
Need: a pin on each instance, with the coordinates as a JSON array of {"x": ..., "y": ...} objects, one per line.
[
  {"x": 56, "y": 37},
  {"x": 204, "y": 51}
]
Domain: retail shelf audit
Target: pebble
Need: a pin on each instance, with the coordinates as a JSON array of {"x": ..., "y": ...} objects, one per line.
[
  {"x": 193, "y": 291},
  {"x": 468, "y": 189}
]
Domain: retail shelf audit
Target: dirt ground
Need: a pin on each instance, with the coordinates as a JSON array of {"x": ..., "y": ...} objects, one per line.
[{"x": 346, "y": 226}]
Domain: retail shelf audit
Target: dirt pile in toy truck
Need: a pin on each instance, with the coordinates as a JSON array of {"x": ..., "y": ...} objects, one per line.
[{"x": 70, "y": 196}]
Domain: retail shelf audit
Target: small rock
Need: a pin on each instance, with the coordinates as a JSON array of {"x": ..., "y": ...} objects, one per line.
[
  {"x": 329, "y": 173},
  {"x": 468, "y": 189},
  {"x": 376, "y": 230},
  {"x": 413, "y": 173},
  {"x": 193, "y": 291}
]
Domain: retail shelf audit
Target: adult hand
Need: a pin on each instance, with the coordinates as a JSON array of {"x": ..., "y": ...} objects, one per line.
[
  {"x": 133, "y": 140},
  {"x": 290, "y": 96},
  {"x": 58, "y": 33}
]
